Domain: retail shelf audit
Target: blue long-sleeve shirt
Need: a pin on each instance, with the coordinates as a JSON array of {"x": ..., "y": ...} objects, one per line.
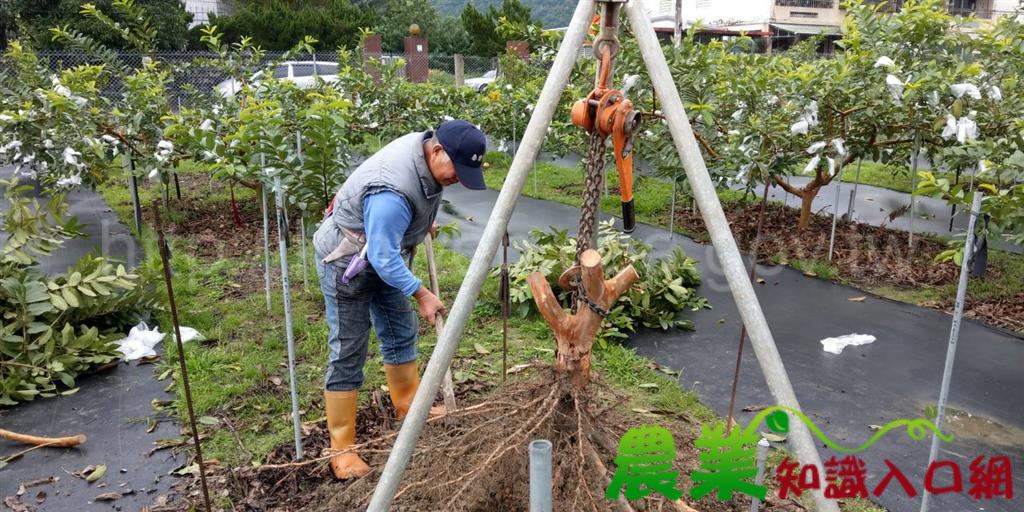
[{"x": 386, "y": 216}]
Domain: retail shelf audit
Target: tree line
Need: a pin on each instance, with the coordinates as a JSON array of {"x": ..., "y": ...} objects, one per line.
[{"x": 277, "y": 24}]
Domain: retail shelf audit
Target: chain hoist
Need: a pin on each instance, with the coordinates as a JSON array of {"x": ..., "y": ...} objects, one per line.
[{"x": 603, "y": 113}]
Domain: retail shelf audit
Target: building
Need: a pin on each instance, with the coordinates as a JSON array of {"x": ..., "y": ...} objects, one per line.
[
  {"x": 201, "y": 9},
  {"x": 779, "y": 24}
]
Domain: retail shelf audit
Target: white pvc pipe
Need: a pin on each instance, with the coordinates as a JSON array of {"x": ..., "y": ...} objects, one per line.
[
  {"x": 721, "y": 237},
  {"x": 913, "y": 188},
  {"x": 282, "y": 244},
  {"x": 480, "y": 266},
  {"x": 266, "y": 230},
  {"x": 954, "y": 336},
  {"x": 672, "y": 210},
  {"x": 835, "y": 209},
  {"x": 302, "y": 214},
  {"x": 540, "y": 475}
]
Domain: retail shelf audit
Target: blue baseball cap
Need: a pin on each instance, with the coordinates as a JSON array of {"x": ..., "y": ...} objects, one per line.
[{"x": 465, "y": 145}]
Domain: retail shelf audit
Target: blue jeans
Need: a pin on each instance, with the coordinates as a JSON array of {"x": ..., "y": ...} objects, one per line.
[{"x": 350, "y": 308}]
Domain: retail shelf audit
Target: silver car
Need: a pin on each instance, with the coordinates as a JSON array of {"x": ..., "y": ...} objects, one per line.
[
  {"x": 481, "y": 83},
  {"x": 303, "y": 73}
]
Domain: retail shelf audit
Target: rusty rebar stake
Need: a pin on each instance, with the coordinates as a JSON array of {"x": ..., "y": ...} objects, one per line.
[
  {"x": 165, "y": 258},
  {"x": 743, "y": 330}
]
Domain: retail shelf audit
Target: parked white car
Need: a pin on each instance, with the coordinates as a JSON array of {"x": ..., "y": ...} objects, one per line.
[
  {"x": 303, "y": 73},
  {"x": 481, "y": 83}
]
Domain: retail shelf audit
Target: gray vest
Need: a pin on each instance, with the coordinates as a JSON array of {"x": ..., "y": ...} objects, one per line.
[{"x": 399, "y": 167}]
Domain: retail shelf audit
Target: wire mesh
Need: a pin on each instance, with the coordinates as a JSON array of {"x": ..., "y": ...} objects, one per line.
[{"x": 195, "y": 76}]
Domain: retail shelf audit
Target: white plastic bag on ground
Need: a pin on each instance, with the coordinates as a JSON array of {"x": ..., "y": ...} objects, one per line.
[
  {"x": 140, "y": 342},
  {"x": 188, "y": 334},
  {"x": 837, "y": 344}
]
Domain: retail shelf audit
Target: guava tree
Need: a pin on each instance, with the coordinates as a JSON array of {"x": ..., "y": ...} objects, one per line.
[
  {"x": 48, "y": 122},
  {"x": 985, "y": 129}
]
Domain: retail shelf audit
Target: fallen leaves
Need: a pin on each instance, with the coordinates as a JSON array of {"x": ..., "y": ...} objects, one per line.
[
  {"x": 811, "y": 273},
  {"x": 108, "y": 496},
  {"x": 15, "y": 504},
  {"x": 754, "y": 408}
]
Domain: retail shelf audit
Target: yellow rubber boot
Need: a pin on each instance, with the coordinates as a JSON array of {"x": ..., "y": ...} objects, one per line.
[
  {"x": 341, "y": 423},
  {"x": 403, "y": 381}
]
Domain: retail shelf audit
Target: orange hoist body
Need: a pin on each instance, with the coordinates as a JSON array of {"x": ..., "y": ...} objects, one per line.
[{"x": 610, "y": 114}]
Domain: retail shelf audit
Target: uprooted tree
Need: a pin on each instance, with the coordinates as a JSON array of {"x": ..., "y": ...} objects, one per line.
[{"x": 574, "y": 333}]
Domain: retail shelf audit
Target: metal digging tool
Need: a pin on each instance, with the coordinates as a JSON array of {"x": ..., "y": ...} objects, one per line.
[
  {"x": 448, "y": 388},
  {"x": 165, "y": 258}
]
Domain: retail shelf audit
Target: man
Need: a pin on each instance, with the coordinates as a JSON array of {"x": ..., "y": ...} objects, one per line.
[{"x": 384, "y": 210}]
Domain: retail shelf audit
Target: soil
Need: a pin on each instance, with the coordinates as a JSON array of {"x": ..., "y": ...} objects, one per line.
[
  {"x": 864, "y": 255},
  {"x": 480, "y": 461},
  {"x": 208, "y": 232}
]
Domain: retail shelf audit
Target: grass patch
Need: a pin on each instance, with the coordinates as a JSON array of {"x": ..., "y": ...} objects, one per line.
[
  {"x": 893, "y": 177},
  {"x": 820, "y": 268}
]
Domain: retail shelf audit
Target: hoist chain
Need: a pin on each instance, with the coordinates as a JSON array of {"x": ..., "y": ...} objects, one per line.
[
  {"x": 591, "y": 194},
  {"x": 591, "y": 203}
]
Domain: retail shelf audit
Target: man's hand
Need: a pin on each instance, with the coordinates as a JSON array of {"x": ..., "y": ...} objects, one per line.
[
  {"x": 430, "y": 305},
  {"x": 433, "y": 229}
]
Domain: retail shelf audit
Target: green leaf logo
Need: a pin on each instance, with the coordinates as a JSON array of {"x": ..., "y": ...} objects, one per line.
[{"x": 778, "y": 421}]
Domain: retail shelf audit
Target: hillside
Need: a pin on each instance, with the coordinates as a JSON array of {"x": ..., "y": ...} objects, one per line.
[{"x": 551, "y": 13}]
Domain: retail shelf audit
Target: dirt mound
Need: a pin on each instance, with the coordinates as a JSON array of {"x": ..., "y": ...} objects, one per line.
[{"x": 480, "y": 462}]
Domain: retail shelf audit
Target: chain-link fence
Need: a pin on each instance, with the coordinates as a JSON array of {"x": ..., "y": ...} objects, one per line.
[{"x": 195, "y": 76}]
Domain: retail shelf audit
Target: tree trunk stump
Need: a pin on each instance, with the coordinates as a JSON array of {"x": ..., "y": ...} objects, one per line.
[{"x": 574, "y": 333}]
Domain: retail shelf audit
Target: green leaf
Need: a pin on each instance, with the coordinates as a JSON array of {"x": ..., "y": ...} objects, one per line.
[
  {"x": 930, "y": 412},
  {"x": 58, "y": 302},
  {"x": 208, "y": 420},
  {"x": 70, "y": 296},
  {"x": 96, "y": 474}
]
